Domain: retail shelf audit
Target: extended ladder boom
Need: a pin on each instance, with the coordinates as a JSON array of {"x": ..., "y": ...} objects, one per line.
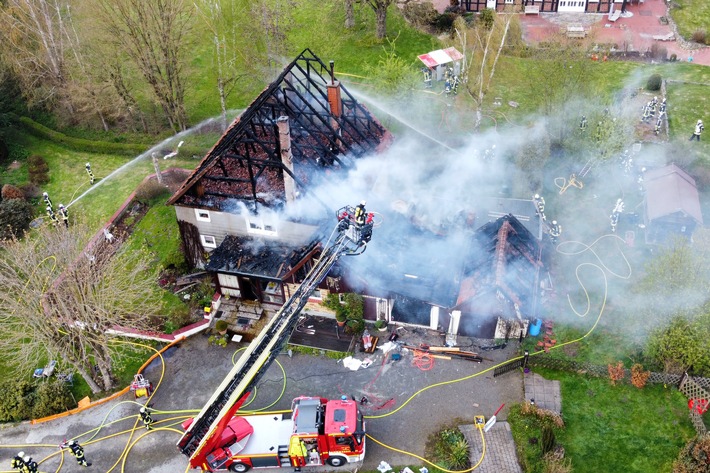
[{"x": 351, "y": 237}]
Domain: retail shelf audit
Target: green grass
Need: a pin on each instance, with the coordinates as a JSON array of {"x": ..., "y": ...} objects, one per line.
[
  {"x": 690, "y": 16},
  {"x": 617, "y": 428}
]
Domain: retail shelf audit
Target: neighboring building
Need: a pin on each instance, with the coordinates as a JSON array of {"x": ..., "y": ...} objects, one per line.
[
  {"x": 671, "y": 204},
  {"x": 547, "y": 6}
]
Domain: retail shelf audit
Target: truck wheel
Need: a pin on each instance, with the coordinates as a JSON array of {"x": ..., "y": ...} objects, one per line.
[
  {"x": 239, "y": 467},
  {"x": 336, "y": 461}
]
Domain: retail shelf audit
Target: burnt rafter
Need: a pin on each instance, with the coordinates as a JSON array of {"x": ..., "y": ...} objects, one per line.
[{"x": 323, "y": 134}]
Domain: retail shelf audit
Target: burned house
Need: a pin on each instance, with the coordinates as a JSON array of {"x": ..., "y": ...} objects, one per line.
[
  {"x": 230, "y": 210},
  {"x": 237, "y": 220},
  {"x": 671, "y": 204}
]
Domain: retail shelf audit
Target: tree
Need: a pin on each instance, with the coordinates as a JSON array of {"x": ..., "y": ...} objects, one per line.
[
  {"x": 380, "y": 8},
  {"x": 153, "y": 35},
  {"x": 682, "y": 345},
  {"x": 477, "y": 43},
  {"x": 33, "y": 42},
  {"x": 349, "y": 14},
  {"x": 61, "y": 297}
]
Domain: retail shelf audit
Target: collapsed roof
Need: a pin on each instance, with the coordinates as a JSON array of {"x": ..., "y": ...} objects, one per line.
[{"x": 329, "y": 129}]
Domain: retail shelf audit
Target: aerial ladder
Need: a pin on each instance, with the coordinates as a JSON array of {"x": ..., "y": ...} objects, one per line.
[{"x": 349, "y": 237}]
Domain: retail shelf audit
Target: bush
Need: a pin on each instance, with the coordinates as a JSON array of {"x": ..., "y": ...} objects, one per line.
[
  {"x": 221, "y": 325},
  {"x": 487, "y": 17},
  {"x": 639, "y": 377},
  {"x": 420, "y": 14},
  {"x": 10, "y": 192},
  {"x": 23, "y": 400},
  {"x": 445, "y": 22},
  {"x": 31, "y": 191},
  {"x": 548, "y": 439},
  {"x": 654, "y": 82},
  {"x": 151, "y": 190},
  {"x": 451, "y": 449},
  {"x": 699, "y": 36},
  {"x": 15, "y": 218},
  {"x": 38, "y": 170},
  {"x": 659, "y": 52},
  {"x": 616, "y": 372},
  {"x": 694, "y": 456},
  {"x": 674, "y": 57}
]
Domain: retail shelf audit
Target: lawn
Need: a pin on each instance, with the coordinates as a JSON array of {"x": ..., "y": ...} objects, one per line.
[
  {"x": 691, "y": 16},
  {"x": 615, "y": 428}
]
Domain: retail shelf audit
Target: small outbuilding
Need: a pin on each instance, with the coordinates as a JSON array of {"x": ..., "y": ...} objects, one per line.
[{"x": 671, "y": 205}]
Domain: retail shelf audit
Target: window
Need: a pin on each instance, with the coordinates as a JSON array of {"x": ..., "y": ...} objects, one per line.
[
  {"x": 202, "y": 215},
  {"x": 316, "y": 294},
  {"x": 258, "y": 226},
  {"x": 509, "y": 2},
  {"x": 208, "y": 241}
]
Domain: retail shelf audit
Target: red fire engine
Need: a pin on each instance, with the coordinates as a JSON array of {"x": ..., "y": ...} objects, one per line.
[{"x": 317, "y": 431}]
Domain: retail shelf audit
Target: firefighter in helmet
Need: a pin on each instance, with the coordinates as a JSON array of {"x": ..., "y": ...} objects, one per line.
[
  {"x": 146, "y": 418},
  {"x": 360, "y": 214},
  {"x": 18, "y": 463},
  {"x": 555, "y": 231},
  {"x": 30, "y": 465},
  {"x": 65, "y": 215},
  {"x": 92, "y": 179},
  {"x": 78, "y": 451}
]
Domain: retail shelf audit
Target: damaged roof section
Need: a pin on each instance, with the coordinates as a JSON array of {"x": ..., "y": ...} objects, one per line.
[
  {"x": 249, "y": 257},
  {"x": 327, "y": 130},
  {"x": 507, "y": 260}
]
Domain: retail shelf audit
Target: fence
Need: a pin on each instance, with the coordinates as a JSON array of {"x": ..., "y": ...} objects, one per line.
[{"x": 695, "y": 388}]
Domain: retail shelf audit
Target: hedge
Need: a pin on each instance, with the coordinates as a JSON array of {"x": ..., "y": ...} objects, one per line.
[
  {"x": 80, "y": 144},
  {"x": 22, "y": 400}
]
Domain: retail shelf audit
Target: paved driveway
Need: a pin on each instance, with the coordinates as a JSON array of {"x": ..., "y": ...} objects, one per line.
[{"x": 193, "y": 370}]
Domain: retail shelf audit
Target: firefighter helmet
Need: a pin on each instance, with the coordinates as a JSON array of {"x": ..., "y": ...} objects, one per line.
[
  {"x": 142, "y": 410},
  {"x": 363, "y": 202},
  {"x": 27, "y": 459},
  {"x": 21, "y": 454}
]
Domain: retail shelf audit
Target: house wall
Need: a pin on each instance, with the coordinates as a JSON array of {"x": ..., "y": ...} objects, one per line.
[
  {"x": 222, "y": 224},
  {"x": 546, "y": 6}
]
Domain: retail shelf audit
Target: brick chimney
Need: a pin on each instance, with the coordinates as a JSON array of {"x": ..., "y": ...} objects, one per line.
[{"x": 286, "y": 157}]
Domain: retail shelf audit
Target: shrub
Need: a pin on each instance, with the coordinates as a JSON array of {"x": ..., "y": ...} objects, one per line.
[
  {"x": 31, "y": 191},
  {"x": 694, "y": 456},
  {"x": 221, "y": 325},
  {"x": 10, "y": 192},
  {"x": 487, "y": 17},
  {"x": 654, "y": 82},
  {"x": 639, "y": 377},
  {"x": 420, "y": 14},
  {"x": 659, "y": 52},
  {"x": 451, "y": 449},
  {"x": 38, "y": 170},
  {"x": 151, "y": 190},
  {"x": 674, "y": 57},
  {"x": 445, "y": 22},
  {"x": 15, "y": 217},
  {"x": 23, "y": 400},
  {"x": 548, "y": 439},
  {"x": 616, "y": 372},
  {"x": 699, "y": 36}
]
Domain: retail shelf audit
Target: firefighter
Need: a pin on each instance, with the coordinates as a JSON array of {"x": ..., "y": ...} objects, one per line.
[
  {"x": 30, "y": 465},
  {"x": 583, "y": 124},
  {"x": 78, "y": 451},
  {"x": 18, "y": 463},
  {"x": 447, "y": 86},
  {"x": 455, "y": 86},
  {"x": 65, "y": 215},
  {"x": 47, "y": 200},
  {"x": 52, "y": 215},
  {"x": 555, "y": 231},
  {"x": 539, "y": 204},
  {"x": 659, "y": 121},
  {"x": 427, "y": 77},
  {"x": 646, "y": 113},
  {"x": 146, "y": 418},
  {"x": 490, "y": 153},
  {"x": 360, "y": 214},
  {"x": 662, "y": 108},
  {"x": 91, "y": 174},
  {"x": 698, "y": 130}
]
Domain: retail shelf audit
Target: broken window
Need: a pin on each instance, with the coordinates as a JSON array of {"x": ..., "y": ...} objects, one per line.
[{"x": 258, "y": 226}]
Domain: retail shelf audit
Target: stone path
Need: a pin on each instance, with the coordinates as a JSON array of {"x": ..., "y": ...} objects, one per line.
[
  {"x": 500, "y": 454},
  {"x": 546, "y": 393}
]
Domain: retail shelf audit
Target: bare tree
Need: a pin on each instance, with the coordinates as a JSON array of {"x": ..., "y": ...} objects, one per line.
[
  {"x": 349, "y": 14},
  {"x": 60, "y": 299},
  {"x": 482, "y": 45},
  {"x": 380, "y": 8},
  {"x": 274, "y": 22},
  {"x": 153, "y": 35},
  {"x": 33, "y": 43}
]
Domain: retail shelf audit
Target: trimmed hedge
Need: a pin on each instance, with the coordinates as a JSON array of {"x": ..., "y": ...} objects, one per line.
[
  {"x": 80, "y": 144},
  {"x": 23, "y": 400}
]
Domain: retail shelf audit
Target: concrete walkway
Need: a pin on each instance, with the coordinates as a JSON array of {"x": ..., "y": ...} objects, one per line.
[
  {"x": 545, "y": 392},
  {"x": 500, "y": 454}
]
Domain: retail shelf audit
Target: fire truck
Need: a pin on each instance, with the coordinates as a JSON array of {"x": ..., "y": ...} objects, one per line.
[{"x": 316, "y": 431}]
